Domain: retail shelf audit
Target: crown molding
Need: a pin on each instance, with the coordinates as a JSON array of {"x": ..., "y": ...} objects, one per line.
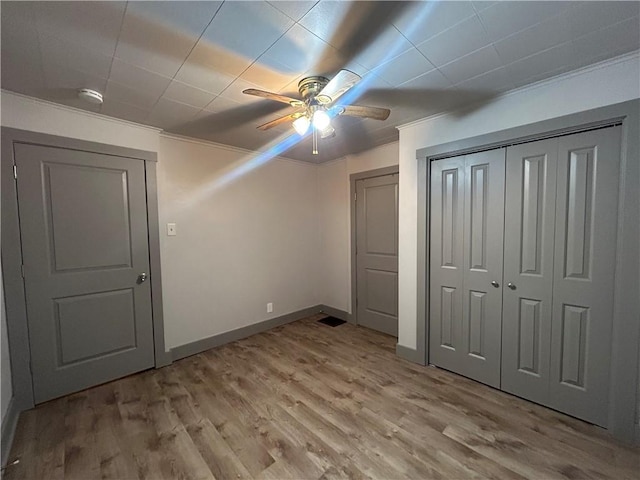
[
  {"x": 79, "y": 111},
  {"x": 532, "y": 86}
]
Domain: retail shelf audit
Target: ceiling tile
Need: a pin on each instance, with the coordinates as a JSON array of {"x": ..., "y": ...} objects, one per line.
[
  {"x": 234, "y": 92},
  {"x": 476, "y": 63},
  {"x": 125, "y": 111},
  {"x": 433, "y": 80},
  {"x": 215, "y": 57},
  {"x": 204, "y": 77},
  {"x": 546, "y": 61},
  {"x": 298, "y": 49},
  {"x": 94, "y": 25},
  {"x": 229, "y": 31},
  {"x": 158, "y": 36},
  {"x": 136, "y": 77},
  {"x": 73, "y": 55},
  {"x": 141, "y": 98},
  {"x": 58, "y": 77},
  {"x": 404, "y": 67},
  {"x": 271, "y": 76},
  {"x": 482, "y": 4},
  {"x": 326, "y": 18},
  {"x": 183, "y": 93},
  {"x": 21, "y": 61},
  {"x": 537, "y": 38},
  {"x": 455, "y": 42},
  {"x": 588, "y": 17},
  {"x": 388, "y": 44},
  {"x": 497, "y": 80},
  {"x": 506, "y": 18},
  {"x": 295, "y": 10},
  {"x": 169, "y": 114},
  {"x": 614, "y": 40},
  {"x": 423, "y": 20},
  {"x": 221, "y": 104}
]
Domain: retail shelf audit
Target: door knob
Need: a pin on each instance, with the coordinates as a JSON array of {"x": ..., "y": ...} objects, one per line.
[
  {"x": 495, "y": 284},
  {"x": 511, "y": 286},
  {"x": 142, "y": 277}
]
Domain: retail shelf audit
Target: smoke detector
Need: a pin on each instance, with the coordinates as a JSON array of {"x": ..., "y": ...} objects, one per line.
[{"x": 90, "y": 96}]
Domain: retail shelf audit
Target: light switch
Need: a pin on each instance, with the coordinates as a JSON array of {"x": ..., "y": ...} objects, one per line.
[{"x": 171, "y": 230}]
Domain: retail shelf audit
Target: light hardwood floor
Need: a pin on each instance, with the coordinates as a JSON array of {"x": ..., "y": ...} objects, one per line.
[{"x": 307, "y": 401}]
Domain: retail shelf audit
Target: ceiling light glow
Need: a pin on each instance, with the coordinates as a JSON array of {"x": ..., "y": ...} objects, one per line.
[
  {"x": 301, "y": 125},
  {"x": 321, "y": 120}
]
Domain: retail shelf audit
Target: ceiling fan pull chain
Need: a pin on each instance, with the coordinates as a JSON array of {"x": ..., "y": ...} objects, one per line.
[{"x": 315, "y": 141}]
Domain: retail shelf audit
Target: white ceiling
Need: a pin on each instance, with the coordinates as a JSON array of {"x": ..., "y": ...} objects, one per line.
[{"x": 182, "y": 66}]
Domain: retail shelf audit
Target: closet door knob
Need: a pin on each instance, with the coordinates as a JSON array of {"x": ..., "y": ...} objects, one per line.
[
  {"x": 511, "y": 286},
  {"x": 495, "y": 284}
]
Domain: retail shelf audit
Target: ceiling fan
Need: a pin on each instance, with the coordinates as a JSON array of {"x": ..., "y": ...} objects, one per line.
[{"x": 319, "y": 105}]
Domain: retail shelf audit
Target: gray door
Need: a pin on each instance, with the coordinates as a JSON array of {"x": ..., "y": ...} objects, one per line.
[
  {"x": 467, "y": 215},
  {"x": 84, "y": 238},
  {"x": 585, "y": 250},
  {"x": 528, "y": 268},
  {"x": 377, "y": 253}
]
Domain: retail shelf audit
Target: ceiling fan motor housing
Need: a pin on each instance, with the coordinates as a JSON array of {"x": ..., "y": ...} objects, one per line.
[{"x": 311, "y": 86}]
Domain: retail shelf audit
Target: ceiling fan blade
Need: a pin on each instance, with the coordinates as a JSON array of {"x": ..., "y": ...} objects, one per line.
[
  {"x": 343, "y": 81},
  {"x": 274, "y": 96},
  {"x": 279, "y": 121},
  {"x": 364, "y": 112}
]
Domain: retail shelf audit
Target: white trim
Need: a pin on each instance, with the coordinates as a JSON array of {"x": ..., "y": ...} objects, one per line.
[
  {"x": 75, "y": 110},
  {"x": 532, "y": 86}
]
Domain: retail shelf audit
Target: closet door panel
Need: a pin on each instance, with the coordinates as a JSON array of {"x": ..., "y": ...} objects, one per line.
[
  {"x": 585, "y": 246},
  {"x": 446, "y": 257},
  {"x": 528, "y": 266},
  {"x": 483, "y": 256}
]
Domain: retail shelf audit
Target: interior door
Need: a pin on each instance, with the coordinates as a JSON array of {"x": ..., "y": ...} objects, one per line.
[
  {"x": 84, "y": 240},
  {"x": 585, "y": 249},
  {"x": 467, "y": 226},
  {"x": 528, "y": 268},
  {"x": 377, "y": 253}
]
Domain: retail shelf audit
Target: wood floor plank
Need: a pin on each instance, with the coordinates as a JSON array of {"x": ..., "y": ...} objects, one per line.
[{"x": 307, "y": 401}]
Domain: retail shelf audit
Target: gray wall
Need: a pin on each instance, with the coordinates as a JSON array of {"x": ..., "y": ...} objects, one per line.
[{"x": 6, "y": 390}]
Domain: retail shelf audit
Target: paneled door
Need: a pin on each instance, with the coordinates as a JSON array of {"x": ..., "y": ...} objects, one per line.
[
  {"x": 528, "y": 268},
  {"x": 85, "y": 251},
  {"x": 467, "y": 225},
  {"x": 583, "y": 284},
  {"x": 377, "y": 253}
]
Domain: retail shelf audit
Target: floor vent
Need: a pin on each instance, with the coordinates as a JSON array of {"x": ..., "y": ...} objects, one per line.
[{"x": 332, "y": 321}]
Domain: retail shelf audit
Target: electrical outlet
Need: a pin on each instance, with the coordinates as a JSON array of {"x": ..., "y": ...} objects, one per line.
[
  {"x": 171, "y": 230},
  {"x": 269, "y": 307}
]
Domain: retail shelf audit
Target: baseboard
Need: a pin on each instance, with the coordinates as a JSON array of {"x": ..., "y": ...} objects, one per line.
[
  {"x": 199, "y": 346},
  {"x": 410, "y": 354},
  {"x": 334, "y": 312},
  {"x": 8, "y": 430}
]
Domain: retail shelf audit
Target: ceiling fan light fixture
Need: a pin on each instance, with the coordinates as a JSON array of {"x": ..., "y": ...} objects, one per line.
[
  {"x": 328, "y": 132},
  {"x": 301, "y": 125},
  {"x": 321, "y": 120}
]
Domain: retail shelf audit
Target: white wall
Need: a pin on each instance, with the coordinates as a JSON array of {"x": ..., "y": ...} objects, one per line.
[
  {"x": 335, "y": 220},
  {"x": 597, "y": 86},
  {"x": 251, "y": 242},
  {"x": 239, "y": 245}
]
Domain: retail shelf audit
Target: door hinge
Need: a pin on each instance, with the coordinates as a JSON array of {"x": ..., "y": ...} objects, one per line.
[
  {"x": 22, "y": 270},
  {"x": 15, "y": 171},
  {"x": 355, "y": 195}
]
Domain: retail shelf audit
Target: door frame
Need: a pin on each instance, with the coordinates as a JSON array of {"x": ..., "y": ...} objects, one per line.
[
  {"x": 14, "y": 289},
  {"x": 623, "y": 396},
  {"x": 353, "y": 178}
]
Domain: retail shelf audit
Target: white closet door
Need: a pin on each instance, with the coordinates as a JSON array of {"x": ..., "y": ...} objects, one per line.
[
  {"x": 585, "y": 246},
  {"x": 528, "y": 268},
  {"x": 467, "y": 225}
]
